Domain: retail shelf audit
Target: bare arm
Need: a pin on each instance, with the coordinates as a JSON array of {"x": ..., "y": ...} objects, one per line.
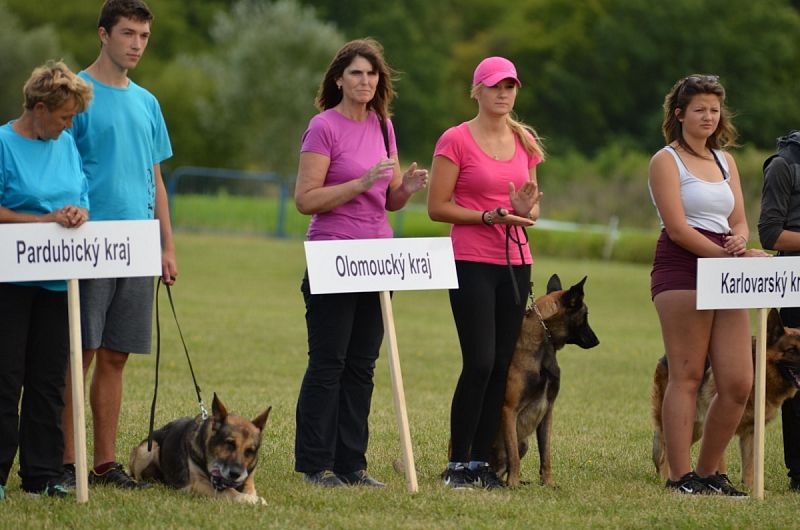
[
  {"x": 169, "y": 265},
  {"x": 312, "y": 196}
]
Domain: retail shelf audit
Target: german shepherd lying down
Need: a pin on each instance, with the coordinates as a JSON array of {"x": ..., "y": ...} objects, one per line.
[
  {"x": 534, "y": 377},
  {"x": 215, "y": 457},
  {"x": 782, "y": 382}
]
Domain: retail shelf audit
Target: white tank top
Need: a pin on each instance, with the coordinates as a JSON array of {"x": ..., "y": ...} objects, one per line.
[{"x": 707, "y": 205}]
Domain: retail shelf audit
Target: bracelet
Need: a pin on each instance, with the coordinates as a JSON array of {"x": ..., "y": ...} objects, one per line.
[{"x": 487, "y": 217}]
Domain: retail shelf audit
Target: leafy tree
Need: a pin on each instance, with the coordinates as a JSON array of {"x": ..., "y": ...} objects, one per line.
[
  {"x": 598, "y": 71},
  {"x": 22, "y": 52},
  {"x": 267, "y": 62}
]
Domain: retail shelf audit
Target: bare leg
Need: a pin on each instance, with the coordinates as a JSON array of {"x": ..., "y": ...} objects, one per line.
[
  {"x": 732, "y": 363},
  {"x": 106, "y": 401},
  {"x": 66, "y": 418},
  {"x": 686, "y": 334}
]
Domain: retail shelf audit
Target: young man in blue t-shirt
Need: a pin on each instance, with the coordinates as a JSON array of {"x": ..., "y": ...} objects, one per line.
[{"x": 122, "y": 139}]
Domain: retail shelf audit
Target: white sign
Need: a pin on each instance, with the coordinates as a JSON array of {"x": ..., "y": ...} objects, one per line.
[
  {"x": 364, "y": 265},
  {"x": 98, "y": 249},
  {"x": 741, "y": 283}
]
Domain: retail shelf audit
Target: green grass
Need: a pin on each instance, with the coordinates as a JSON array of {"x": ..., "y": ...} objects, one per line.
[{"x": 241, "y": 311}]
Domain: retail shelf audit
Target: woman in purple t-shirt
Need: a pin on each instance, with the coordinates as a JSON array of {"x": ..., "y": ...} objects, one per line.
[
  {"x": 348, "y": 177},
  {"x": 483, "y": 182}
]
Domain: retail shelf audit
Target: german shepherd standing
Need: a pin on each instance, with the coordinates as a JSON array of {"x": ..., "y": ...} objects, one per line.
[
  {"x": 783, "y": 381},
  {"x": 215, "y": 457},
  {"x": 534, "y": 377}
]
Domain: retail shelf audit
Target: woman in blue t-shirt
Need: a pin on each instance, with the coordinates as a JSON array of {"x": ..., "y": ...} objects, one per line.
[{"x": 41, "y": 180}]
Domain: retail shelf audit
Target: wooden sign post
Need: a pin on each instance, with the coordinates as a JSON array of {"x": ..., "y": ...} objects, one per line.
[
  {"x": 106, "y": 249},
  {"x": 751, "y": 283},
  {"x": 384, "y": 265}
]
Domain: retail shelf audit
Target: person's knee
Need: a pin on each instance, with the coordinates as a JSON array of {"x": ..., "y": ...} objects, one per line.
[
  {"x": 737, "y": 391},
  {"x": 110, "y": 360}
]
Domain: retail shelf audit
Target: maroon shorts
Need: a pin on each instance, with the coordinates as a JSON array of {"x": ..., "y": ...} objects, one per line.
[{"x": 674, "y": 267}]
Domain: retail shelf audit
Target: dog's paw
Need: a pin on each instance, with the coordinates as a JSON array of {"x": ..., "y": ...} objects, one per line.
[{"x": 251, "y": 499}]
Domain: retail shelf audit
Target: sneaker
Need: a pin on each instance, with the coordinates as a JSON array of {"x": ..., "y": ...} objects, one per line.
[
  {"x": 360, "y": 478},
  {"x": 794, "y": 484},
  {"x": 116, "y": 476},
  {"x": 325, "y": 478},
  {"x": 52, "y": 489},
  {"x": 484, "y": 477},
  {"x": 458, "y": 477},
  {"x": 721, "y": 484},
  {"x": 689, "y": 484},
  {"x": 68, "y": 476}
]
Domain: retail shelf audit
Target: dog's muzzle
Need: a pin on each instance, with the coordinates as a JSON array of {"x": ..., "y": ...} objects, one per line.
[
  {"x": 222, "y": 481},
  {"x": 790, "y": 372}
]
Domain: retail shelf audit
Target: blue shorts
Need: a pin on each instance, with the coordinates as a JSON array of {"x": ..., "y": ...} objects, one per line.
[{"x": 117, "y": 314}]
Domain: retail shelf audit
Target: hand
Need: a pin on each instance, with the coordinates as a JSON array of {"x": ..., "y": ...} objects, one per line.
[
  {"x": 525, "y": 199},
  {"x": 414, "y": 179},
  {"x": 735, "y": 244},
  {"x": 755, "y": 253},
  {"x": 380, "y": 170},
  {"x": 501, "y": 216},
  {"x": 169, "y": 267},
  {"x": 69, "y": 216}
]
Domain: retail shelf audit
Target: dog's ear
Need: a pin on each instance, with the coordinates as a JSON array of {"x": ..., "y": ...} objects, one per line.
[
  {"x": 574, "y": 297},
  {"x": 218, "y": 410},
  {"x": 775, "y": 329},
  {"x": 553, "y": 284},
  {"x": 261, "y": 420}
]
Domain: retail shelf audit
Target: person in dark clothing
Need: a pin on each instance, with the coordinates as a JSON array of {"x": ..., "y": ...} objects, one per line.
[{"x": 779, "y": 229}]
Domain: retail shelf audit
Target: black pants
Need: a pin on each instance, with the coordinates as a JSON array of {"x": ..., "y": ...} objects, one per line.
[
  {"x": 345, "y": 332},
  {"x": 790, "y": 411},
  {"x": 488, "y": 320},
  {"x": 34, "y": 351}
]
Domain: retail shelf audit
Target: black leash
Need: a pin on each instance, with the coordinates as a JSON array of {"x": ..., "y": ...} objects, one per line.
[
  {"x": 516, "y": 239},
  {"x": 203, "y": 411}
]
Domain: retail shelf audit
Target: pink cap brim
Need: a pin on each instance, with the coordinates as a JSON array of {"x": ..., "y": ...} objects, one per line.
[{"x": 495, "y": 78}]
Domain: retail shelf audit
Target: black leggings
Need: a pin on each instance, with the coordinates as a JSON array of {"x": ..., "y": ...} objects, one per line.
[
  {"x": 790, "y": 411},
  {"x": 488, "y": 320}
]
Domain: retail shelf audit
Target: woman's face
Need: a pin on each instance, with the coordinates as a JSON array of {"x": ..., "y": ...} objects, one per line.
[
  {"x": 359, "y": 81},
  {"x": 49, "y": 124},
  {"x": 498, "y": 99},
  {"x": 700, "y": 118}
]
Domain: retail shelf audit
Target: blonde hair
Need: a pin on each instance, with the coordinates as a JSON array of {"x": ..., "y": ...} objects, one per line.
[
  {"x": 54, "y": 84},
  {"x": 527, "y": 135}
]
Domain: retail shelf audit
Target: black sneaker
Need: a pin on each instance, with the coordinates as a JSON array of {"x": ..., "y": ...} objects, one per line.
[
  {"x": 52, "y": 489},
  {"x": 458, "y": 477},
  {"x": 326, "y": 478},
  {"x": 720, "y": 483},
  {"x": 68, "y": 476},
  {"x": 794, "y": 484},
  {"x": 689, "y": 484},
  {"x": 360, "y": 478},
  {"x": 484, "y": 477},
  {"x": 116, "y": 476}
]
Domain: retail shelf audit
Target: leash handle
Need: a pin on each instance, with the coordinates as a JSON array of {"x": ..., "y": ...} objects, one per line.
[{"x": 203, "y": 410}]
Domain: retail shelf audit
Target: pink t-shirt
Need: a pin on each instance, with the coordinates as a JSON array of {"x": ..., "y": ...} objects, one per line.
[
  {"x": 353, "y": 147},
  {"x": 482, "y": 184}
]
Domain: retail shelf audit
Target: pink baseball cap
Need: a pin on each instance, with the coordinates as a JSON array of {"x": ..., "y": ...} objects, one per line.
[{"x": 492, "y": 70}]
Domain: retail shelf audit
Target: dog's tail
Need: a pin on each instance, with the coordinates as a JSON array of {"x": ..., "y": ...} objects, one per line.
[{"x": 656, "y": 399}]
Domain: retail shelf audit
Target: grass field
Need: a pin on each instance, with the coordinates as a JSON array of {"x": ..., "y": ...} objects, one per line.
[{"x": 241, "y": 312}]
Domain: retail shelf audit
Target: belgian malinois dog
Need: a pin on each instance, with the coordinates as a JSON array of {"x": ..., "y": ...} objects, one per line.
[
  {"x": 560, "y": 317},
  {"x": 783, "y": 381},
  {"x": 215, "y": 457}
]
